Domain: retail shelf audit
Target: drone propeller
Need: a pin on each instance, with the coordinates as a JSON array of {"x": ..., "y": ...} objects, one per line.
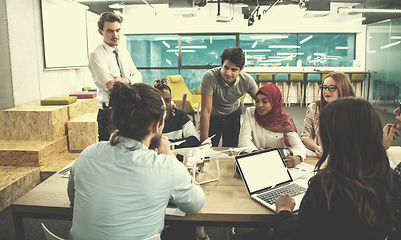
[{"x": 231, "y": 150}]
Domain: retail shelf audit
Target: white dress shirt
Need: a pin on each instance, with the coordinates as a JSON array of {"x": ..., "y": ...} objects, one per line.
[
  {"x": 103, "y": 63},
  {"x": 252, "y": 136}
]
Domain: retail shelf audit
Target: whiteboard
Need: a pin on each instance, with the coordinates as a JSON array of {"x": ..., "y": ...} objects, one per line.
[{"x": 64, "y": 34}]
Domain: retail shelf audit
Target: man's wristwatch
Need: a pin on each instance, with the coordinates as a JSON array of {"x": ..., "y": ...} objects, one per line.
[{"x": 301, "y": 158}]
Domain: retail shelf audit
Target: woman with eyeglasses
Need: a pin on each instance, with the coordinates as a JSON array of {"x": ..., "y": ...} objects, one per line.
[{"x": 336, "y": 85}]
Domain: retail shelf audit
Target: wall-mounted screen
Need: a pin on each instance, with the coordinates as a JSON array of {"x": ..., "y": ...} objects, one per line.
[{"x": 64, "y": 34}]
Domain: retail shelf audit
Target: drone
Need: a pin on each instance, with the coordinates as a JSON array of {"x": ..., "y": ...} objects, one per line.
[{"x": 196, "y": 157}]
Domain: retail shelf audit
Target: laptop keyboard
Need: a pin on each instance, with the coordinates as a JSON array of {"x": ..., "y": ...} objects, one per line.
[{"x": 292, "y": 189}]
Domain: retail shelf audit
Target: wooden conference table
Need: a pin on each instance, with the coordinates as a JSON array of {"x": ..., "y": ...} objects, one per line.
[{"x": 227, "y": 200}]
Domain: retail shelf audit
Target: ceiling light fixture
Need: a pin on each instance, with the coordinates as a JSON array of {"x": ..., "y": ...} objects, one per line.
[
  {"x": 117, "y": 5},
  {"x": 191, "y": 47},
  {"x": 171, "y": 38},
  {"x": 257, "y": 50},
  {"x": 283, "y": 46},
  {"x": 172, "y": 50},
  {"x": 166, "y": 44},
  {"x": 306, "y": 39},
  {"x": 390, "y": 45},
  {"x": 269, "y": 37},
  {"x": 284, "y": 53},
  {"x": 365, "y": 10}
]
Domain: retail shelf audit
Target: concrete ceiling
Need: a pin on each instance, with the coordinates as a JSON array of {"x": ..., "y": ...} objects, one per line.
[{"x": 99, "y": 6}]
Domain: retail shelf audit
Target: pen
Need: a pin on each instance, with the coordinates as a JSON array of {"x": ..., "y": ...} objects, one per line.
[{"x": 207, "y": 139}]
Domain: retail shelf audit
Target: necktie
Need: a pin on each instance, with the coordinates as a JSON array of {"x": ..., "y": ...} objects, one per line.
[{"x": 120, "y": 65}]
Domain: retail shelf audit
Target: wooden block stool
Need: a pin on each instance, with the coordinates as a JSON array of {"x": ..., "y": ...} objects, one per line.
[
  {"x": 82, "y": 132},
  {"x": 281, "y": 79},
  {"x": 264, "y": 78},
  {"x": 313, "y": 79},
  {"x": 357, "y": 80},
  {"x": 297, "y": 79}
]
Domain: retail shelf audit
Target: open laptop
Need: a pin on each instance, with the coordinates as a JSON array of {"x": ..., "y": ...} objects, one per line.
[{"x": 266, "y": 177}]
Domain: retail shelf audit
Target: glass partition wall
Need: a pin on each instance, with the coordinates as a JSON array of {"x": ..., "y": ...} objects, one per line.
[
  {"x": 190, "y": 55},
  {"x": 383, "y": 59}
]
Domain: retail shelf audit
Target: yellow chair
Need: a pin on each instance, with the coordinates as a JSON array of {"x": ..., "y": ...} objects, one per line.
[
  {"x": 242, "y": 99},
  {"x": 264, "y": 78},
  {"x": 178, "y": 87},
  {"x": 324, "y": 75},
  {"x": 357, "y": 80},
  {"x": 297, "y": 79}
]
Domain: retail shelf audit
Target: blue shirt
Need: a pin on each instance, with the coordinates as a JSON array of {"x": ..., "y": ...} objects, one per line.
[{"x": 120, "y": 193}]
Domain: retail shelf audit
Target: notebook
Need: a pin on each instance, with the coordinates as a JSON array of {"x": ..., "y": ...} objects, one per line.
[{"x": 266, "y": 176}]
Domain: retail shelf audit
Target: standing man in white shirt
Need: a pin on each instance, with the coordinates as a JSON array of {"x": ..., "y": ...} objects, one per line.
[{"x": 108, "y": 65}]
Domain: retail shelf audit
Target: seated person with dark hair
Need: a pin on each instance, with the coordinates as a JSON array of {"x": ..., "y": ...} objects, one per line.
[
  {"x": 177, "y": 125},
  {"x": 120, "y": 188}
]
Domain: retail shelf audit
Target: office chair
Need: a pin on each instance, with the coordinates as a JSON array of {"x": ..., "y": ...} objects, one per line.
[
  {"x": 282, "y": 79},
  {"x": 357, "y": 80},
  {"x": 297, "y": 79},
  {"x": 49, "y": 235},
  {"x": 314, "y": 80},
  {"x": 264, "y": 78},
  {"x": 155, "y": 237},
  {"x": 242, "y": 99}
]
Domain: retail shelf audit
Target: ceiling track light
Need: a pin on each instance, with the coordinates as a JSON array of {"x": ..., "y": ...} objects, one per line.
[{"x": 255, "y": 13}]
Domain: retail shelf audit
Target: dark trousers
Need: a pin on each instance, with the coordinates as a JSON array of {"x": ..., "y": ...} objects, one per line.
[
  {"x": 103, "y": 124},
  {"x": 227, "y": 127}
]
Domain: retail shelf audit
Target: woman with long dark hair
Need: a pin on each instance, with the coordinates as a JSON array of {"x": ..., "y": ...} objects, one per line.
[{"x": 350, "y": 197}]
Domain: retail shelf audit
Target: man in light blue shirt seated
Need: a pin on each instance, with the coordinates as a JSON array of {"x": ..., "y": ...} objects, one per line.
[{"x": 120, "y": 188}]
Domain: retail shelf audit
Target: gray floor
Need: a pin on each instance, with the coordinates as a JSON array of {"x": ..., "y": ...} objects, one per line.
[{"x": 33, "y": 230}]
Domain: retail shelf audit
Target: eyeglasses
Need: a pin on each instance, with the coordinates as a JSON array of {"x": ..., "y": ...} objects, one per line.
[{"x": 331, "y": 88}]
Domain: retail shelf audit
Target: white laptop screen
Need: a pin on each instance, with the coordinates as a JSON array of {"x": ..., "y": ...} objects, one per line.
[{"x": 262, "y": 170}]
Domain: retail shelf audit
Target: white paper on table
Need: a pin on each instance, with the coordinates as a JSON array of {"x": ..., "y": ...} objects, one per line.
[
  {"x": 310, "y": 153},
  {"x": 300, "y": 170},
  {"x": 174, "y": 210}
]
